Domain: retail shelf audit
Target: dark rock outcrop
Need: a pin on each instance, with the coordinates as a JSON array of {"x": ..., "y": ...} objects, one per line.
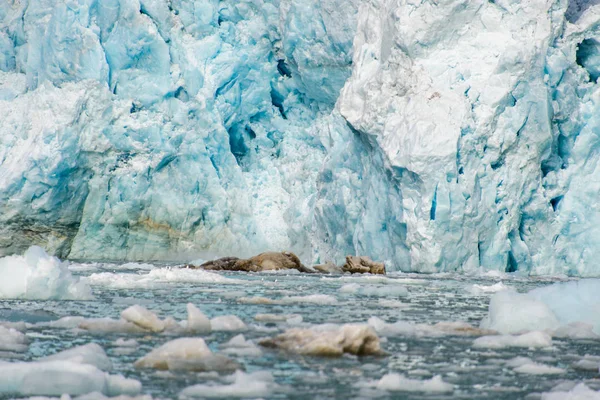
[
  {"x": 268, "y": 261},
  {"x": 271, "y": 261}
]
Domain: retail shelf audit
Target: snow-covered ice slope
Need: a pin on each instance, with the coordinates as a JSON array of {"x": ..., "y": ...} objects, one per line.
[{"x": 431, "y": 135}]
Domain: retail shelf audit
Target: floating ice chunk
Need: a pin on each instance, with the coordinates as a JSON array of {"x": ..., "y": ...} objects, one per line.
[
  {"x": 399, "y": 383},
  {"x": 588, "y": 363},
  {"x": 157, "y": 277},
  {"x": 64, "y": 323},
  {"x": 20, "y": 326},
  {"x": 562, "y": 308},
  {"x": 512, "y": 312},
  {"x": 539, "y": 369},
  {"x": 239, "y": 346},
  {"x": 576, "y": 301},
  {"x": 54, "y": 378},
  {"x": 384, "y": 291},
  {"x": 143, "y": 318},
  {"x": 120, "y": 342},
  {"x": 389, "y": 303},
  {"x": 483, "y": 289},
  {"x": 109, "y": 325},
  {"x": 229, "y": 323},
  {"x": 530, "y": 339},
  {"x": 13, "y": 340},
  {"x": 36, "y": 275},
  {"x": 579, "y": 392},
  {"x": 91, "y": 354},
  {"x": 321, "y": 299},
  {"x": 257, "y": 384},
  {"x": 524, "y": 365},
  {"x": 328, "y": 340},
  {"x": 274, "y": 317},
  {"x": 403, "y": 328},
  {"x": 197, "y": 322},
  {"x": 256, "y": 300},
  {"x": 186, "y": 354},
  {"x": 576, "y": 330},
  {"x": 350, "y": 288}
]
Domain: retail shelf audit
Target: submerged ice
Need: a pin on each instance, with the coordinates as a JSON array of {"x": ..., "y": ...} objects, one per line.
[{"x": 432, "y": 136}]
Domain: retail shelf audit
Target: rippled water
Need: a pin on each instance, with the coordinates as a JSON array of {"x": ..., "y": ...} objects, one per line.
[{"x": 477, "y": 373}]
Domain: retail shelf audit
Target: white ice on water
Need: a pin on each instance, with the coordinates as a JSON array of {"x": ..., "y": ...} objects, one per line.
[
  {"x": 36, "y": 275},
  {"x": 54, "y": 378},
  {"x": 91, "y": 354},
  {"x": 253, "y": 385},
  {"x": 563, "y": 309}
]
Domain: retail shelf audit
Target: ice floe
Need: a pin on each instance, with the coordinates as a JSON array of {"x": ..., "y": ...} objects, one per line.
[
  {"x": 13, "y": 340},
  {"x": 186, "y": 354},
  {"x": 157, "y": 277},
  {"x": 239, "y": 346},
  {"x": 54, "y": 378},
  {"x": 328, "y": 340},
  {"x": 197, "y": 322},
  {"x": 398, "y": 383},
  {"x": 565, "y": 309},
  {"x": 578, "y": 392},
  {"x": 524, "y": 365},
  {"x": 230, "y": 323},
  {"x": 36, "y": 275},
  {"x": 534, "y": 339},
  {"x": 143, "y": 318},
  {"x": 254, "y": 385},
  {"x": 91, "y": 354}
]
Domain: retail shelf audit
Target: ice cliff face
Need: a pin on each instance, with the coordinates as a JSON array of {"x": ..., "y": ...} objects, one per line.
[{"x": 435, "y": 135}]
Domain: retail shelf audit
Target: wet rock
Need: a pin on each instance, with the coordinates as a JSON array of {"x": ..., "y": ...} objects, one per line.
[
  {"x": 269, "y": 261},
  {"x": 363, "y": 265},
  {"x": 328, "y": 340}
]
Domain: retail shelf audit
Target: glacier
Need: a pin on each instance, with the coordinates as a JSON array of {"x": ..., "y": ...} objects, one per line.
[{"x": 431, "y": 135}]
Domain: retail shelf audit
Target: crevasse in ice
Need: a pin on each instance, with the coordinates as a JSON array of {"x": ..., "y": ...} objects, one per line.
[{"x": 432, "y": 136}]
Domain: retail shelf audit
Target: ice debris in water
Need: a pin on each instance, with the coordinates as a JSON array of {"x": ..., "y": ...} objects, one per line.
[
  {"x": 566, "y": 308},
  {"x": 483, "y": 289},
  {"x": 157, "y": 277},
  {"x": 375, "y": 291},
  {"x": 13, "y": 340},
  {"x": 143, "y": 318},
  {"x": 588, "y": 363},
  {"x": 190, "y": 354},
  {"x": 239, "y": 346},
  {"x": 531, "y": 339},
  {"x": 328, "y": 340},
  {"x": 524, "y": 365},
  {"x": 404, "y": 328},
  {"x": 197, "y": 322},
  {"x": 91, "y": 354},
  {"x": 120, "y": 342},
  {"x": 578, "y": 392},
  {"x": 398, "y": 383},
  {"x": 229, "y": 323},
  {"x": 321, "y": 299},
  {"x": 37, "y": 276},
  {"x": 32, "y": 379},
  {"x": 255, "y": 385}
]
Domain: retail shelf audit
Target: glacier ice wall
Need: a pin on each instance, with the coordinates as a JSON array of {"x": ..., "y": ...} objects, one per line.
[{"x": 434, "y": 135}]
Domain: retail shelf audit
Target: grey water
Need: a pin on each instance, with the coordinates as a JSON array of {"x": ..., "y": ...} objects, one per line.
[{"x": 476, "y": 373}]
